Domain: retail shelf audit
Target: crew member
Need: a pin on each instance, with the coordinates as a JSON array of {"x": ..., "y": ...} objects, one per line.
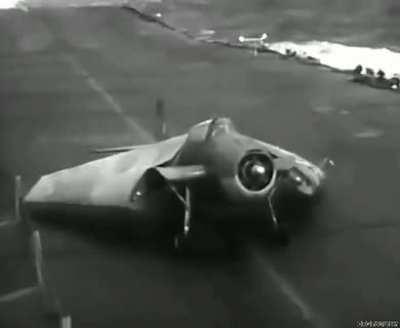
[{"x": 381, "y": 75}]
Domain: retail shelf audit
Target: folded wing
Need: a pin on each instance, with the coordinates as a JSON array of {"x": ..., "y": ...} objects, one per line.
[{"x": 104, "y": 182}]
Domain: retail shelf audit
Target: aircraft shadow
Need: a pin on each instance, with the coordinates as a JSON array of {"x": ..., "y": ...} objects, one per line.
[{"x": 117, "y": 227}]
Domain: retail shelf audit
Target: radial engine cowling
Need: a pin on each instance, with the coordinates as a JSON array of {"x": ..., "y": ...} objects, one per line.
[{"x": 256, "y": 172}]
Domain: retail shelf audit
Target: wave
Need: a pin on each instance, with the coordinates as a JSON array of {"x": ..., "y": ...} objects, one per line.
[
  {"x": 341, "y": 57},
  {"x": 8, "y": 4},
  {"x": 336, "y": 56},
  {"x": 30, "y": 4}
]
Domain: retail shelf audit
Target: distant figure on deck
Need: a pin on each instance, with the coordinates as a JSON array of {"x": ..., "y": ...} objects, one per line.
[
  {"x": 381, "y": 81},
  {"x": 380, "y": 75},
  {"x": 358, "y": 70},
  {"x": 290, "y": 53},
  {"x": 370, "y": 72},
  {"x": 357, "y": 74}
]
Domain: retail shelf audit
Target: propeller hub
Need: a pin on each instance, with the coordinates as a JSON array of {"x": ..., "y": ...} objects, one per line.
[
  {"x": 258, "y": 169},
  {"x": 255, "y": 171}
]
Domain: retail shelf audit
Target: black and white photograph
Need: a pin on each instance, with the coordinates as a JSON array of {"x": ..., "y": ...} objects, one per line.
[{"x": 199, "y": 163}]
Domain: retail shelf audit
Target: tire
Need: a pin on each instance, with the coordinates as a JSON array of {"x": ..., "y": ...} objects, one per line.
[{"x": 182, "y": 243}]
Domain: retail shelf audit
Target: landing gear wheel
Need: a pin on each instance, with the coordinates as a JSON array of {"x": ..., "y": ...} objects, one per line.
[{"x": 182, "y": 243}]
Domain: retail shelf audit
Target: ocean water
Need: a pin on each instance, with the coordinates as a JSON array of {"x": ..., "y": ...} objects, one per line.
[{"x": 339, "y": 34}]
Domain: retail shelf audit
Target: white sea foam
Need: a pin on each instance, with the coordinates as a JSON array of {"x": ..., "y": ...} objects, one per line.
[
  {"x": 335, "y": 55},
  {"x": 26, "y": 4},
  {"x": 8, "y": 4},
  {"x": 342, "y": 57},
  {"x": 369, "y": 133}
]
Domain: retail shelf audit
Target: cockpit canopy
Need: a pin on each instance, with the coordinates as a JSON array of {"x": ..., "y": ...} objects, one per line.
[{"x": 211, "y": 128}]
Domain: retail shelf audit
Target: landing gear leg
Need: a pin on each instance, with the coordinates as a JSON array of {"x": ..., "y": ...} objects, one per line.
[{"x": 280, "y": 230}]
